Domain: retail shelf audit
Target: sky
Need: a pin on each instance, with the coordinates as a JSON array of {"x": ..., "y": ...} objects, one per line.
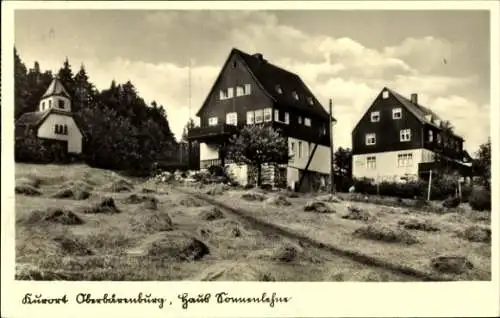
[{"x": 349, "y": 56}]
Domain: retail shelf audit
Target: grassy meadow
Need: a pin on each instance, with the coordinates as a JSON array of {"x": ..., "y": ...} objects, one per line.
[{"x": 74, "y": 222}]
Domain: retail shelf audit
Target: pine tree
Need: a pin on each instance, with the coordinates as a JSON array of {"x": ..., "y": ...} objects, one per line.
[{"x": 21, "y": 87}]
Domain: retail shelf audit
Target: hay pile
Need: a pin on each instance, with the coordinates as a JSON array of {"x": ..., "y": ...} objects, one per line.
[
  {"x": 318, "y": 207},
  {"x": 120, "y": 185},
  {"x": 211, "y": 214},
  {"x": 136, "y": 199},
  {"x": 383, "y": 233},
  {"x": 253, "y": 196},
  {"x": 52, "y": 215},
  {"x": 147, "y": 190},
  {"x": 27, "y": 186},
  {"x": 71, "y": 245},
  {"x": 476, "y": 233},
  {"x": 106, "y": 206},
  {"x": 279, "y": 200},
  {"x": 232, "y": 271},
  {"x": 222, "y": 228},
  {"x": 190, "y": 202},
  {"x": 76, "y": 190},
  {"x": 329, "y": 198},
  {"x": 178, "y": 246},
  {"x": 418, "y": 225},
  {"x": 151, "y": 222},
  {"x": 358, "y": 214},
  {"x": 451, "y": 264}
]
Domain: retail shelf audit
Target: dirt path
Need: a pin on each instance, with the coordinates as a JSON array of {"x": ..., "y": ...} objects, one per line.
[{"x": 272, "y": 230}]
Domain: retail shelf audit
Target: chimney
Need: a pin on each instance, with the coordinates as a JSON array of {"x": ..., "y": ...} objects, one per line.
[
  {"x": 414, "y": 99},
  {"x": 259, "y": 57}
]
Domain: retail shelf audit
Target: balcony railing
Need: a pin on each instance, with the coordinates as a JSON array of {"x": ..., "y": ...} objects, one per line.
[{"x": 222, "y": 130}]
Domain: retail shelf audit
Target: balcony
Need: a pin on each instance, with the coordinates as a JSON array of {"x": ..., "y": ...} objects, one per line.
[{"x": 212, "y": 133}]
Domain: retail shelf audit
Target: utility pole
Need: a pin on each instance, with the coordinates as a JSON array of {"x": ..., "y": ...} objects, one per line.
[{"x": 332, "y": 152}]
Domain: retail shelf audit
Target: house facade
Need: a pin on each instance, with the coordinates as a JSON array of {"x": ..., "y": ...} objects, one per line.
[
  {"x": 54, "y": 121},
  {"x": 250, "y": 90},
  {"x": 398, "y": 139}
]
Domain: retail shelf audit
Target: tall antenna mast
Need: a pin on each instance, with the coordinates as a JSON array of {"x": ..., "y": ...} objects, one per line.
[{"x": 189, "y": 89}]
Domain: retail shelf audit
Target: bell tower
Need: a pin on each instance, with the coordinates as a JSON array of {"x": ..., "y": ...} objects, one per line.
[{"x": 55, "y": 97}]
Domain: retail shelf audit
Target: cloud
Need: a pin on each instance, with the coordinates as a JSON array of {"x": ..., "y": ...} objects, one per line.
[{"x": 155, "y": 50}]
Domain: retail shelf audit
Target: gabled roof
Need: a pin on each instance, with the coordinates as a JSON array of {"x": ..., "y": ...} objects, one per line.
[
  {"x": 56, "y": 88},
  {"x": 32, "y": 118},
  {"x": 269, "y": 76},
  {"x": 418, "y": 110},
  {"x": 35, "y": 119}
]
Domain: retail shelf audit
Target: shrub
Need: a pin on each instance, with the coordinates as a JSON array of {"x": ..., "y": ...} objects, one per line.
[
  {"x": 480, "y": 199},
  {"x": 451, "y": 202},
  {"x": 266, "y": 187},
  {"x": 365, "y": 186},
  {"x": 451, "y": 264}
]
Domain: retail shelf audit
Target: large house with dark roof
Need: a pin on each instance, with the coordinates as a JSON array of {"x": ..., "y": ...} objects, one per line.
[
  {"x": 398, "y": 139},
  {"x": 250, "y": 90},
  {"x": 53, "y": 122}
]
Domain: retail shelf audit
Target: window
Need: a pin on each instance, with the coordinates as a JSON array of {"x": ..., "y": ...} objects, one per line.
[
  {"x": 248, "y": 89},
  {"x": 50, "y": 103},
  {"x": 300, "y": 149},
  {"x": 396, "y": 113},
  {"x": 56, "y": 129},
  {"x": 323, "y": 130},
  {"x": 212, "y": 121},
  {"x": 385, "y": 94},
  {"x": 375, "y": 117},
  {"x": 276, "y": 115},
  {"x": 295, "y": 95},
  {"x": 292, "y": 148},
  {"x": 232, "y": 119},
  {"x": 431, "y": 136},
  {"x": 370, "y": 139},
  {"x": 405, "y": 135},
  {"x": 287, "y": 118},
  {"x": 250, "y": 117},
  {"x": 61, "y": 129},
  {"x": 43, "y": 105},
  {"x": 299, "y": 119},
  {"x": 61, "y": 103},
  {"x": 240, "y": 90},
  {"x": 65, "y": 131},
  {"x": 259, "y": 116},
  {"x": 278, "y": 89},
  {"x": 307, "y": 122},
  {"x": 268, "y": 114},
  {"x": 371, "y": 163},
  {"x": 405, "y": 160},
  {"x": 439, "y": 138},
  {"x": 234, "y": 64},
  {"x": 223, "y": 94},
  {"x": 310, "y": 100}
]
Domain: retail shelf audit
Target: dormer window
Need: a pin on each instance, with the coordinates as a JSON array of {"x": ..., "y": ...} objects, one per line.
[
  {"x": 370, "y": 139},
  {"x": 307, "y": 122},
  {"x": 240, "y": 90},
  {"x": 278, "y": 89},
  {"x": 375, "y": 117},
  {"x": 248, "y": 89},
  {"x": 50, "y": 103},
  {"x": 385, "y": 94},
  {"x": 295, "y": 95},
  {"x": 310, "y": 100},
  {"x": 397, "y": 113},
  {"x": 431, "y": 136},
  {"x": 61, "y": 104}
]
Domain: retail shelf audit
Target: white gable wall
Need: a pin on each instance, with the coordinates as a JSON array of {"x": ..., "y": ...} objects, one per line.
[
  {"x": 386, "y": 165},
  {"x": 74, "y": 136}
]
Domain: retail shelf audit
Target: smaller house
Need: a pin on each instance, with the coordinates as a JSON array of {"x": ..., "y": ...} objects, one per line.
[
  {"x": 54, "y": 122},
  {"x": 398, "y": 139}
]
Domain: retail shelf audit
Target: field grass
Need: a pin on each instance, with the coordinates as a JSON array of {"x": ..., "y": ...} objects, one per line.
[
  {"x": 410, "y": 238},
  {"x": 121, "y": 232}
]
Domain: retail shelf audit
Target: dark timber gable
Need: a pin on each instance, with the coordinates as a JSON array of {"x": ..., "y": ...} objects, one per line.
[
  {"x": 271, "y": 87},
  {"x": 387, "y": 129},
  {"x": 424, "y": 133}
]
